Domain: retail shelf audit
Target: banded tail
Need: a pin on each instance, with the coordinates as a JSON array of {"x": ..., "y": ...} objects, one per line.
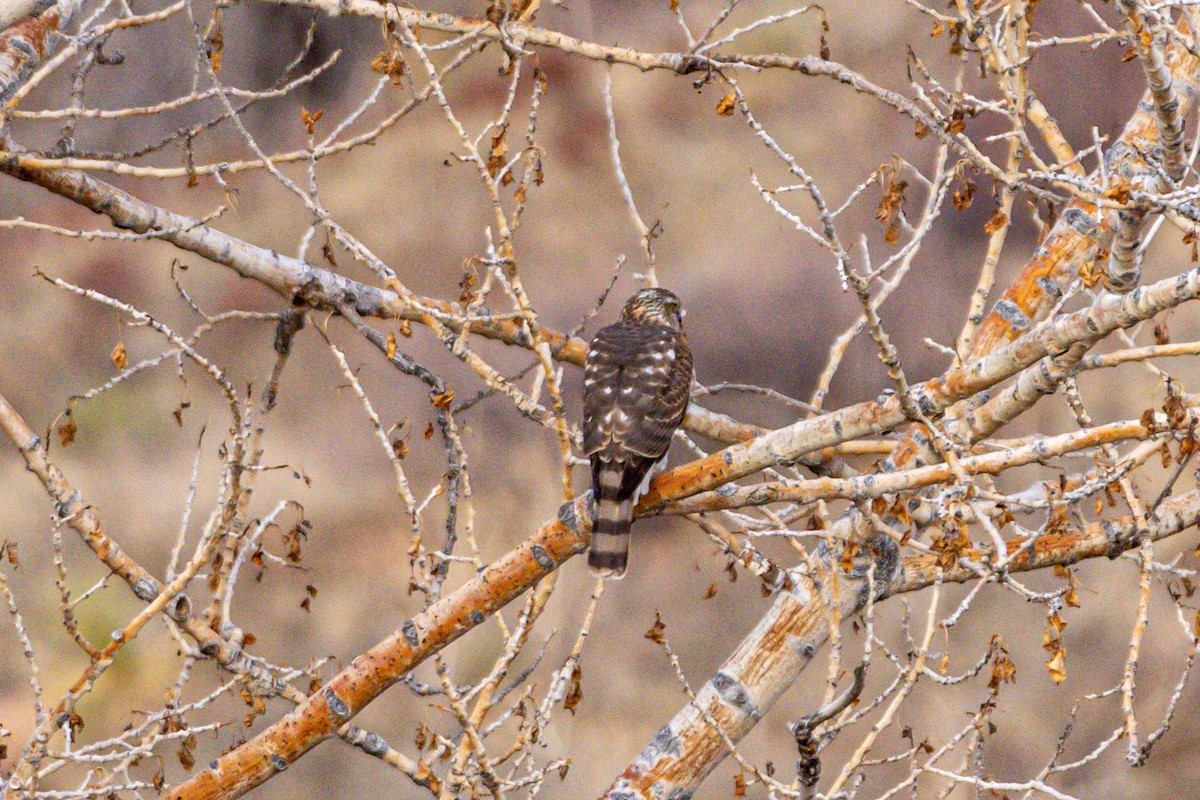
[{"x": 614, "y": 487}]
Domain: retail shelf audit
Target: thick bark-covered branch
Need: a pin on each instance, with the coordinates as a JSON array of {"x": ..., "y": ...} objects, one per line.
[
  {"x": 1082, "y": 229},
  {"x": 290, "y": 277},
  {"x": 371, "y": 673},
  {"x": 24, "y": 44},
  {"x": 1054, "y": 336},
  {"x": 774, "y": 653},
  {"x": 785, "y": 640},
  {"x": 869, "y": 486},
  {"x": 1123, "y": 268}
]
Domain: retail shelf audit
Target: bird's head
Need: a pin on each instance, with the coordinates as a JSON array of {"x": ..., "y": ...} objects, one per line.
[{"x": 654, "y": 306}]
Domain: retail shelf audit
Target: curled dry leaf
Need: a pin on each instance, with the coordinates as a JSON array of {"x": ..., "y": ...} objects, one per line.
[
  {"x": 66, "y": 431},
  {"x": 309, "y": 119},
  {"x": 655, "y": 634},
  {"x": 574, "y": 689},
  {"x": 996, "y": 223},
  {"x": 1056, "y": 666},
  {"x": 1003, "y": 669},
  {"x": 118, "y": 356}
]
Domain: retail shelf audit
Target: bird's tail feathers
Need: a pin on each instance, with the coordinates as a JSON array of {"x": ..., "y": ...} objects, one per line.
[{"x": 608, "y": 552}]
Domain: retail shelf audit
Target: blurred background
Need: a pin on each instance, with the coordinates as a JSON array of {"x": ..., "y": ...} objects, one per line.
[{"x": 764, "y": 306}]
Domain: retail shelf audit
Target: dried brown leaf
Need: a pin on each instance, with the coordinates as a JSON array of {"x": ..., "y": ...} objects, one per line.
[
  {"x": 1092, "y": 272},
  {"x": 309, "y": 119},
  {"x": 849, "y": 550},
  {"x": 215, "y": 43},
  {"x": 499, "y": 150},
  {"x": 1118, "y": 191},
  {"x": 1003, "y": 669},
  {"x": 655, "y": 634},
  {"x": 996, "y": 223},
  {"x": 574, "y": 689},
  {"x": 390, "y": 65},
  {"x": 1162, "y": 333},
  {"x": 292, "y": 538},
  {"x": 67, "y": 431},
  {"x": 118, "y": 356},
  {"x": 184, "y": 753},
  {"x": 1056, "y": 666}
]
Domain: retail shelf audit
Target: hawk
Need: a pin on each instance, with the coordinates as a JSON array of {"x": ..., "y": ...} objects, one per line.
[{"x": 636, "y": 385}]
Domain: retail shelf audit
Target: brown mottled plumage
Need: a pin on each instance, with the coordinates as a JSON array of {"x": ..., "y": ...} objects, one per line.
[{"x": 636, "y": 385}]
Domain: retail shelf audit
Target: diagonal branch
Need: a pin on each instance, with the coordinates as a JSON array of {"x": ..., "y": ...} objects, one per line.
[
  {"x": 372, "y": 672},
  {"x": 785, "y": 641},
  {"x": 1052, "y": 337},
  {"x": 1124, "y": 270},
  {"x": 303, "y": 283}
]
